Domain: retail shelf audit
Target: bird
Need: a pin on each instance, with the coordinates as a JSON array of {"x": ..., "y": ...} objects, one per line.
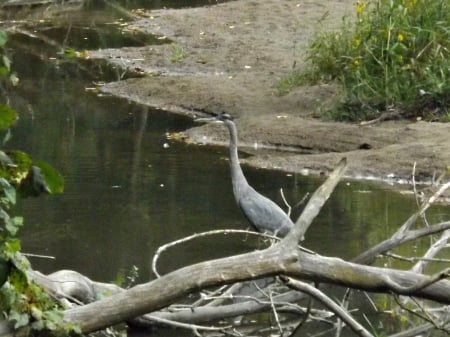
[{"x": 263, "y": 214}]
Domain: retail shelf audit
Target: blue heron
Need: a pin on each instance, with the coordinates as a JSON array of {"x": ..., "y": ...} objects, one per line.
[{"x": 262, "y": 213}]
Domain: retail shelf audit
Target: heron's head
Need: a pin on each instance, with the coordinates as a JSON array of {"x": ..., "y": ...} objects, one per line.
[{"x": 220, "y": 118}]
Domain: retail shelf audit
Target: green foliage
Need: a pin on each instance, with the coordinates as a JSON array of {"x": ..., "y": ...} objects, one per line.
[
  {"x": 178, "y": 53},
  {"x": 395, "y": 56},
  {"x": 22, "y": 302}
]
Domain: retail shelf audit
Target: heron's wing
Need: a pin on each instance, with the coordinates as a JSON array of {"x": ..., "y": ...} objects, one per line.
[{"x": 264, "y": 214}]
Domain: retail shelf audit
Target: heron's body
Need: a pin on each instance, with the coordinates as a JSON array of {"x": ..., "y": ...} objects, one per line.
[{"x": 262, "y": 213}]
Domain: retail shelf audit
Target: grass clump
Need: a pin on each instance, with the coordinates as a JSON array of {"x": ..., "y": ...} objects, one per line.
[{"x": 394, "y": 56}]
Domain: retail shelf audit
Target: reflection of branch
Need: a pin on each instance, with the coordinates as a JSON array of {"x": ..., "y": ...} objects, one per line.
[
  {"x": 425, "y": 316},
  {"x": 325, "y": 300}
]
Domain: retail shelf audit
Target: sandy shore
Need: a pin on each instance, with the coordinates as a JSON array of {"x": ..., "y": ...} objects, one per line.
[{"x": 234, "y": 55}]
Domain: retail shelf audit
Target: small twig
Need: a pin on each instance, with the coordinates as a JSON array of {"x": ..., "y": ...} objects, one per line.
[
  {"x": 193, "y": 327},
  {"x": 163, "y": 248},
  {"x": 414, "y": 185},
  {"x": 39, "y": 256},
  {"x": 302, "y": 201},
  {"x": 289, "y": 208},
  {"x": 415, "y": 259},
  {"x": 205, "y": 297},
  {"x": 199, "y": 235},
  {"x": 344, "y": 304},
  {"x": 275, "y": 314}
]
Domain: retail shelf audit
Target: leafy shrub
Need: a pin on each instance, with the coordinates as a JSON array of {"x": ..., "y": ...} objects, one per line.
[
  {"x": 22, "y": 302},
  {"x": 394, "y": 56}
]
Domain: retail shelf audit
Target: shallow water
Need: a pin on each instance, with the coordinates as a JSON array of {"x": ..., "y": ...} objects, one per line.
[{"x": 130, "y": 189}]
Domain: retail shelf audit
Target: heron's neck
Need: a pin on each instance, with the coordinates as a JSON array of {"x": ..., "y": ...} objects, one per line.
[{"x": 237, "y": 176}]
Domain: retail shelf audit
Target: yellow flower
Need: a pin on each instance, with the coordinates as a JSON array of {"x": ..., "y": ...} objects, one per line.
[
  {"x": 360, "y": 5},
  {"x": 409, "y": 3},
  {"x": 356, "y": 62},
  {"x": 400, "y": 37}
]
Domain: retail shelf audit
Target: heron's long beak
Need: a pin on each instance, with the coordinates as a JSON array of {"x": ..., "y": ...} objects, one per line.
[{"x": 208, "y": 120}]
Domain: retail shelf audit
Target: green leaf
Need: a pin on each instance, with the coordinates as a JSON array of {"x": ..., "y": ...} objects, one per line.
[
  {"x": 3, "y": 71},
  {"x": 17, "y": 168},
  {"x": 36, "y": 312},
  {"x": 7, "y": 137},
  {"x": 9, "y": 190},
  {"x": 7, "y": 116},
  {"x": 7, "y": 62},
  {"x": 20, "y": 319},
  {"x": 18, "y": 280},
  {"x": 38, "y": 325},
  {"x": 5, "y": 267},
  {"x": 14, "y": 80},
  {"x": 12, "y": 224},
  {"x": 12, "y": 246},
  {"x": 53, "y": 179},
  {"x": 3, "y": 37}
]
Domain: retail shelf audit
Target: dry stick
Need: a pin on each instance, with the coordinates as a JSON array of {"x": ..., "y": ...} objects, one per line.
[
  {"x": 345, "y": 303},
  {"x": 325, "y": 300},
  {"x": 275, "y": 314},
  {"x": 286, "y": 203},
  {"x": 193, "y": 327},
  {"x": 199, "y": 235},
  {"x": 413, "y": 259}
]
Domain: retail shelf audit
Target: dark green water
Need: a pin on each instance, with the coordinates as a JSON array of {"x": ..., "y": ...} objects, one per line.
[{"x": 129, "y": 189}]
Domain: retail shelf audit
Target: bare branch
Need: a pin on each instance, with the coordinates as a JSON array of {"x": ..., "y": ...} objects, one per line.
[
  {"x": 163, "y": 248},
  {"x": 194, "y": 327},
  {"x": 432, "y": 251}
]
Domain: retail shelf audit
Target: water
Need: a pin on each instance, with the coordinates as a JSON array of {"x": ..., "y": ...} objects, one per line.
[{"x": 130, "y": 189}]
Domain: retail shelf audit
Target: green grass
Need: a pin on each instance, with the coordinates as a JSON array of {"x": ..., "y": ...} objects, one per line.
[
  {"x": 178, "y": 53},
  {"x": 393, "y": 56}
]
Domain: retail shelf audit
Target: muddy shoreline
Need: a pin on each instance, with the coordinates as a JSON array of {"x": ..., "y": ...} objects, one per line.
[{"x": 233, "y": 56}]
